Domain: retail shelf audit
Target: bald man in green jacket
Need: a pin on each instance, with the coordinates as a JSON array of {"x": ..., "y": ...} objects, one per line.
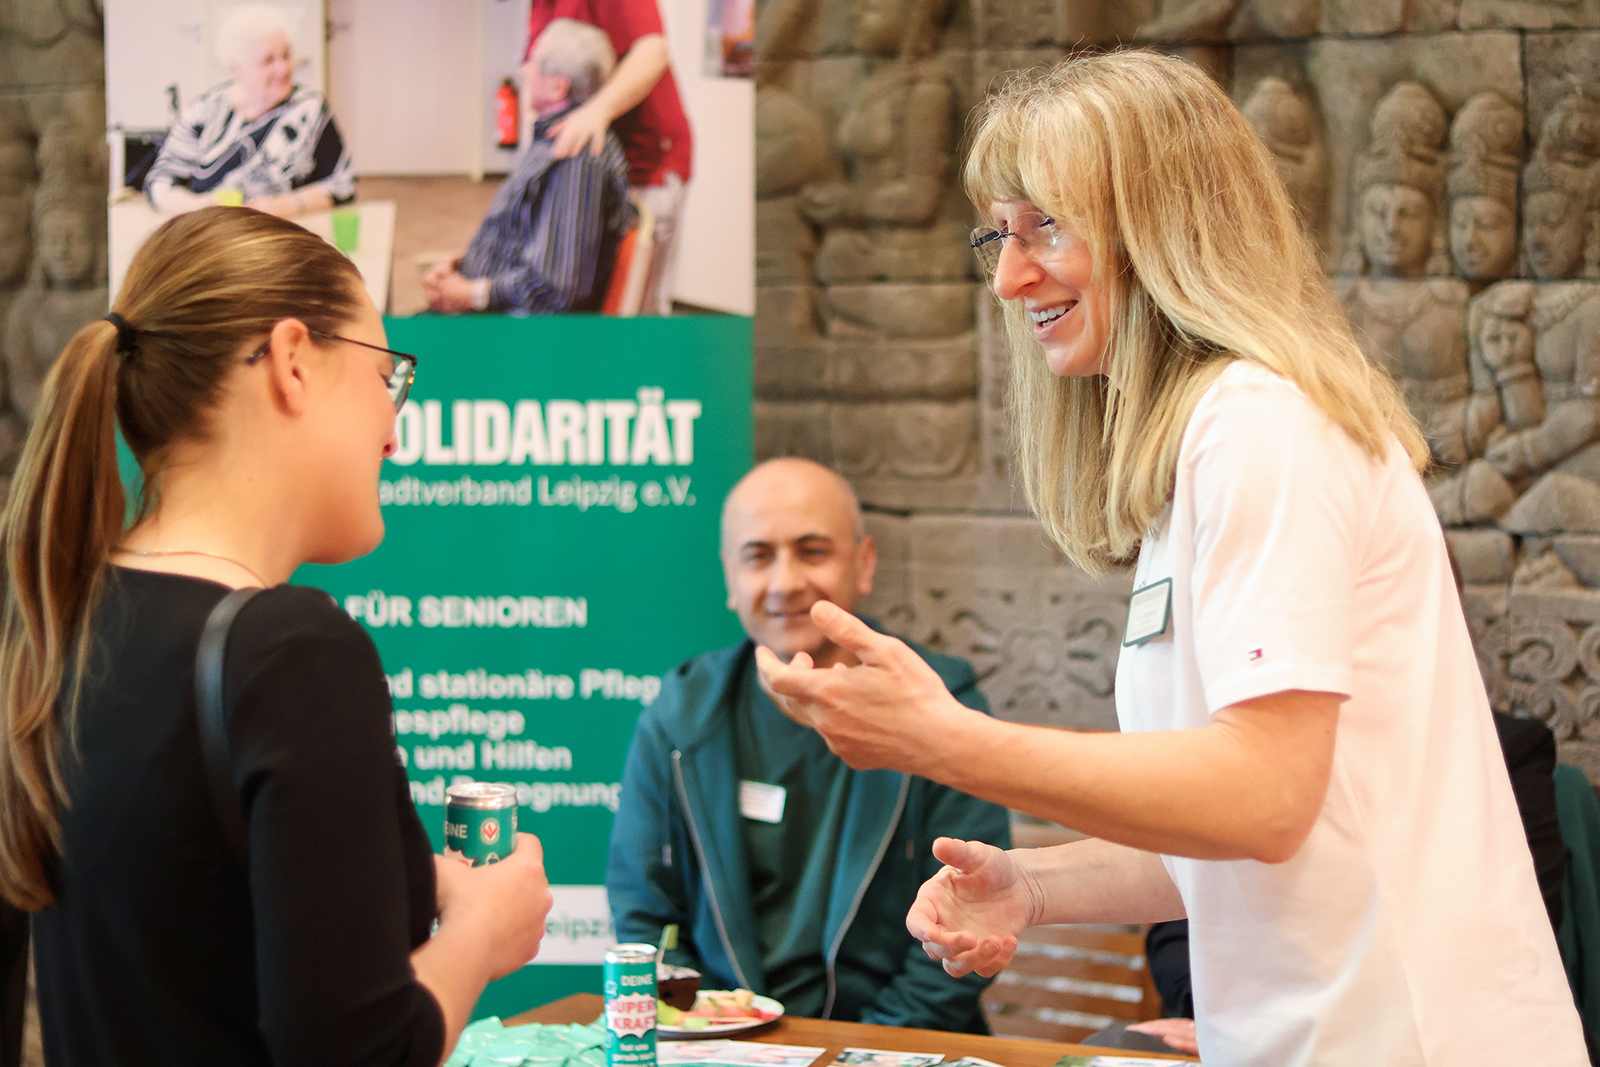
[{"x": 788, "y": 872}]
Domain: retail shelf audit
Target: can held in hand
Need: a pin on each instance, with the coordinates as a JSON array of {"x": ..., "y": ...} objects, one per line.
[
  {"x": 480, "y": 822},
  {"x": 630, "y": 985}
]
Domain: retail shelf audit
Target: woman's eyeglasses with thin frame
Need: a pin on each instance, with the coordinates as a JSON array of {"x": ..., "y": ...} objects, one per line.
[
  {"x": 399, "y": 378},
  {"x": 1034, "y": 231}
]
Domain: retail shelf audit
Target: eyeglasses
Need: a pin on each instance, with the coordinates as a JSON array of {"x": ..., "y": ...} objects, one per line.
[
  {"x": 402, "y": 367},
  {"x": 1034, "y": 232}
]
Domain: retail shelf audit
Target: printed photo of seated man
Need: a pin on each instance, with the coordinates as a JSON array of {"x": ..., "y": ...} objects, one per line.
[{"x": 550, "y": 238}]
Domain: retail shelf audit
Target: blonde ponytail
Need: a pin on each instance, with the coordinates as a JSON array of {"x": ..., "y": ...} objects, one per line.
[
  {"x": 63, "y": 517},
  {"x": 201, "y": 287}
]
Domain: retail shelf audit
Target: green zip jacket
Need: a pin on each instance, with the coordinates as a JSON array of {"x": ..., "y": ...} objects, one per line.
[{"x": 677, "y": 856}]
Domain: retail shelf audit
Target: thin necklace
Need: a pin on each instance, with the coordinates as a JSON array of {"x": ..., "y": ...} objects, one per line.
[{"x": 196, "y": 552}]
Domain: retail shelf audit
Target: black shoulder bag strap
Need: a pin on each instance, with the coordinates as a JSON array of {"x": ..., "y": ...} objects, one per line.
[{"x": 213, "y": 721}]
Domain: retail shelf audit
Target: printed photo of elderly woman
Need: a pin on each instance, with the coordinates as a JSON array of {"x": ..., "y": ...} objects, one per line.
[{"x": 258, "y": 138}]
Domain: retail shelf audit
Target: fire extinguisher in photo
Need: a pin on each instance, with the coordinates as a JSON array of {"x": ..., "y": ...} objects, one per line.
[{"x": 507, "y": 116}]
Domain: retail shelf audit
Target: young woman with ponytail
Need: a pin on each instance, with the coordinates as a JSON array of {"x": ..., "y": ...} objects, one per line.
[{"x": 247, "y": 371}]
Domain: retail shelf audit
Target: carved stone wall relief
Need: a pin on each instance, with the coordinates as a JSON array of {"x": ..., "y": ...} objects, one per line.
[
  {"x": 1539, "y": 652},
  {"x": 1417, "y": 330},
  {"x": 866, "y": 281},
  {"x": 1388, "y": 146},
  {"x": 1290, "y": 125},
  {"x": 1442, "y": 157},
  {"x": 890, "y": 601},
  {"x": 1042, "y": 636},
  {"x": 65, "y": 290},
  {"x": 1236, "y": 20},
  {"x": 1001, "y": 24},
  {"x": 1396, "y": 187},
  {"x": 52, "y": 196},
  {"x": 1380, "y": 17},
  {"x": 1485, "y": 151},
  {"x": 1533, "y": 423},
  {"x": 52, "y": 217},
  {"x": 1528, "y": 14},
  {"x": 1559, "y": 222}
]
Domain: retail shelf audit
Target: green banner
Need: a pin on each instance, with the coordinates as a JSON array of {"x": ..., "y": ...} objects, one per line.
[{"x": 551, "y": 550}]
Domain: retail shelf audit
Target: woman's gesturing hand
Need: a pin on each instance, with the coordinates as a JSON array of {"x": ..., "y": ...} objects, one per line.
[
  {"x": 510, "y": 899},
  {"x": 970, "y": 913},
  {"x": 884, "y": 712}
]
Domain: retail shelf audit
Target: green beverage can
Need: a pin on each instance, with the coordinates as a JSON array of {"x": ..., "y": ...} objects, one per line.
[
  {"x": 630, "y": 986},
  {"x": 480, "y": 822}
]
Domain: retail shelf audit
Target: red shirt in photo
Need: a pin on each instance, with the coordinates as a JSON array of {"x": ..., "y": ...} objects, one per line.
[{"x": 655, "y": 134}]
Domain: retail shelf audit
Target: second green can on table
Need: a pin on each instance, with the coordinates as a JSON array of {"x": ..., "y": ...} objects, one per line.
[
  {"x": 629, "y": 978},
  {"x": 480, "y": 821}
]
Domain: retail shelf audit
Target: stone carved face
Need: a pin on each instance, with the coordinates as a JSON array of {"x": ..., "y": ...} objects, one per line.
[
  {"x": 1483, "y": 236},
  {"x": 1396, "y": 229},
  {"x": 66, "y": 246},
  {"x": 1552, "y": 235},
  {"x": 1505, "y": 342}
]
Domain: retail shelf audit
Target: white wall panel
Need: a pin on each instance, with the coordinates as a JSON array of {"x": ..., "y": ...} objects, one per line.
[
  {"x": 402, "y": 84},
  {"x": 153, "y": 44},
  {"x": 716, "y": 263}
]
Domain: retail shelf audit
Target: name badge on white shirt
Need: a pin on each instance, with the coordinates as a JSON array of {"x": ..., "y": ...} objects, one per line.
[
  {"x": 1149, "y": 611},
  {"x": 761, "y": 802}
]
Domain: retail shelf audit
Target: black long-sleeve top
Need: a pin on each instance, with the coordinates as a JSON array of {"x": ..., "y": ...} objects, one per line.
[{"x": 161, "y": 947}]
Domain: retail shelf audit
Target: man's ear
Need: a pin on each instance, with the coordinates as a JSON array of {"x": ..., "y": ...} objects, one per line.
[
  {"x": 287, "y": 367},
  {"x": 866, "y": 563},
  {"x": 727, "y": 581}
]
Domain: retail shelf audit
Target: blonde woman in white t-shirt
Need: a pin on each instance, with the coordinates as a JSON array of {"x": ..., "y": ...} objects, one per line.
[{"x": 1307, "y": 767}]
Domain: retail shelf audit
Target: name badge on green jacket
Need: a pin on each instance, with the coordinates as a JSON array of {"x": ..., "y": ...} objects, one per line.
[{"x": 760, "y": 801}]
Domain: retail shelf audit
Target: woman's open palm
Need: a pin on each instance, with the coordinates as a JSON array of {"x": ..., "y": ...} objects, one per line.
[{"x": 970, "y": 913}]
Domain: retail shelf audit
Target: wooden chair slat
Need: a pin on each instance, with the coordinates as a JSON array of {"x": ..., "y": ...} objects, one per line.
[
  {"x": 1039, "y": 997},
  {"x": 1063, "y": 955},
  {"x": 1047, "y": 966},
  {"x": 1079, "y": 937}
]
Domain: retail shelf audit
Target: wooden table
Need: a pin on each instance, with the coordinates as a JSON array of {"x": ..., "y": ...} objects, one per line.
[{"x": 836, "y": 1036}]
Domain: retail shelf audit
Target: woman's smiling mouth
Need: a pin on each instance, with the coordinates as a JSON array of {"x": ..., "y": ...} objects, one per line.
[{"x": 1043, "y": 317}]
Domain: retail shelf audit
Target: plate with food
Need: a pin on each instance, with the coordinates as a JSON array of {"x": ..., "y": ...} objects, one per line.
[{"x": 717, "y": 1013}]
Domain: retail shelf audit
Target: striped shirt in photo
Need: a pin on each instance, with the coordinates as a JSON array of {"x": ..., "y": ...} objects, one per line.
[
  {"x": 550, "y": 237},
  {"x": 295, "y": 145}
]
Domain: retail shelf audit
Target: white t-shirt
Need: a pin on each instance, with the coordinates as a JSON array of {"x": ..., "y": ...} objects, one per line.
[{"x": 1409, "y": 928}]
